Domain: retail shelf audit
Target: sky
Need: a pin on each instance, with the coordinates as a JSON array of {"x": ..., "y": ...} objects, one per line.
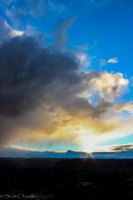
[{"x": 66, "y": 79}]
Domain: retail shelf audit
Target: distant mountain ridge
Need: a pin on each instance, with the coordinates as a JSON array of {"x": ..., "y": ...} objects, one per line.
[
  {"x": 19, "y": 153},
  {"x": 12, "y": 152}
]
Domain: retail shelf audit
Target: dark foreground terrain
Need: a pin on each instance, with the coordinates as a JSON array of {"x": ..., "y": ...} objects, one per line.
[{"x": 65, "y": 179}]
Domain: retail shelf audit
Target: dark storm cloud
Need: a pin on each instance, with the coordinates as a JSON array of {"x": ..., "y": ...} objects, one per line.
[
  {"x": 26, "y": 69},
  {"x": 32, "y": 77}
]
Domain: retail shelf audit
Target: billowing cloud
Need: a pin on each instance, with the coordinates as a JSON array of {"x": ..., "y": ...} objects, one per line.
[
  {"x": 46, "y": 95},
  {"x": 35, "y": 83},
  {"x": 109, "y": 86}
]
